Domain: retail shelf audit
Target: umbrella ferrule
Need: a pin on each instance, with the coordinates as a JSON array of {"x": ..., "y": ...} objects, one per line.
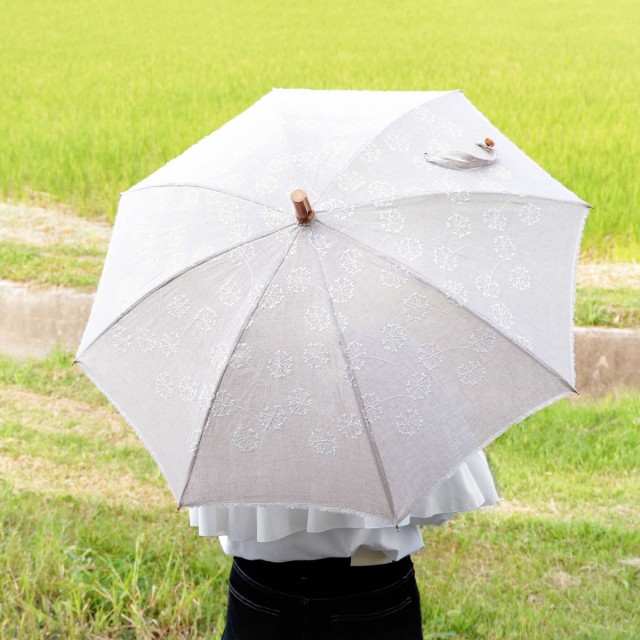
[{"x": 304, "y": 210}]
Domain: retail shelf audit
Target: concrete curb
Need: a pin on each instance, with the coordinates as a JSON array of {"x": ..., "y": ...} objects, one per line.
[{"x": 33, "y": 321}]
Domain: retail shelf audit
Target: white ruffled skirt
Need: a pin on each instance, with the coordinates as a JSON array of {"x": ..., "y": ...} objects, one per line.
[{"x": 470, "y": 487}]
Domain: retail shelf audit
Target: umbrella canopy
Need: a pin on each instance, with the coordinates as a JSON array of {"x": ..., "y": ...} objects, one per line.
[{"x": 354, "y": 360}]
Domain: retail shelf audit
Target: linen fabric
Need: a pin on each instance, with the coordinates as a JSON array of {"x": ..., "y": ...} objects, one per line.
[
  {"x": 353, "y": 363},
  {"x": 278, "y": 534}
]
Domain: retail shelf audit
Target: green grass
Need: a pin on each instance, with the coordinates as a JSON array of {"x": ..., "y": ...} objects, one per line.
[
  {"x": 97, "y": 94},
  {"x": 68, "y": 266},
  {"x": 608, "y": 307},
  {"x": 82, "y": 558}
]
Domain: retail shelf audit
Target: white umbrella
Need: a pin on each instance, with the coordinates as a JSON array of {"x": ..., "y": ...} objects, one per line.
[{"x": 353, "y": 360}]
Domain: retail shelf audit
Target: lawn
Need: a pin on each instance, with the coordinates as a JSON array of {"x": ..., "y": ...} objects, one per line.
[
  {"x": 91, "y": 545},
  {"x": 96, "y": 94}
]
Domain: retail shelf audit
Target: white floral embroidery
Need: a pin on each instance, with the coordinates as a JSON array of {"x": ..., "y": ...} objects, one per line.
[
  {"x": 246, "y": 438},
  {"x": 419, "y": 386},
  {"x": 495, "y": 219},
  {"x": 205, "y": 320},
  {"x": 121, "y": 340},
  {"x": 298, "y": 280},
  {"x": 471, "y": 372},
  {"x": 342, "y": 320},
  {"x": 305, "y": 160},
  {"x": 351, "y": 260},
  {"x": 523, "y": 342},
  {"x": 240, "y": 232},
  {"x": 415, "y": 306},
  {"x": 371, "y": 153},
  {"x": 322, "y": 441},
  {"x": 505, "y": 247},
  {"x": 502, "y": 315},
  {"x": 230, "y": 212},
  {"x": 218, "y": 354},
  {"x": 445, "y": 258},
  {"x": 482, "y": 340},
  {"x": 316, "y": 355},
  {"x": 146, "y": 339},
  {"x": 392, "y": 220},
  {"x": 241, "y": 356},
  {"x": 272, "y": 418},
  {"x": 394, "y": 337},
  {"x": 299, "y": 401},
  {"x": 280, "y": 364},
  {"x": 530, "y": 214},
  {"x": 356, "y": 352},
  {"x": 501, "y": 173},
  {"x": 394, "y": 275},
  {"x": 381, "y": 191},
  {"x": 205, "y": 396},
  {"x": 487, "y": 286},
  {"x": 316, "y": 318},
  {"x": 273, "y": 218},
  {"x": 425, "y": 115},
  {"x": 450, "y": 129},
  {"x": 242, "y": 255},
  {"x": 371, "y": 405},
  {"x": 178, "y": 306},
  {"x": 459, "y": 197},
  {"x": 396, "y": 142},
  {"x": 456, "y": 292},
  {"x": 341, "y": 289},
  {"x": 459, "y": 225},
  {"x": 430, "y": 355},
  {"x": 410, "y": 249},
  {"x": 223, "y": 404},
  {"x": 169, "y": 343},
  {"x": 349, "y": 426},
  {"x": 194, "y": 439},
  {"x": 188, "y": 389},
  {"x": 163, "y": 385},
  {"x": 350, "y": 181},
  {"x": 320, "y": 243},
  {"x": 409, "y": 422},
  {"x": 229, "y": 293},
  {"x": 272, "y": 297},
  {"x": 520, "y": 278}
]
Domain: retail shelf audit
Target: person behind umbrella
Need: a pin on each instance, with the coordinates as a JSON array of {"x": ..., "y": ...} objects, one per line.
[{"x": 312, "y": 573}]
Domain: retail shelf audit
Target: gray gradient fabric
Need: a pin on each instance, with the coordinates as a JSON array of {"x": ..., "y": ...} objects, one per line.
[{"x": 351, "y": 364}]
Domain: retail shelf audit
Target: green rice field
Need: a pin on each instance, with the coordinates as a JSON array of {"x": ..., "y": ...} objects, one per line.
[
  {"x": 96, "y": 94},
  {"x": 92, "y": 548}
]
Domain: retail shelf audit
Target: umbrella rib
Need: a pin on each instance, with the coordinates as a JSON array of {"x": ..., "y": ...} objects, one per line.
[
  {"x": 377, "y": 135},
  {"x": 201, "y": 186},
  {"x": 363, "y": 415},
  {"x": 422, "y": 196},
  {"x": 238, "y": 338},
  {"x": 420, "y": 278},
  {"x": 190, "y": 267}
]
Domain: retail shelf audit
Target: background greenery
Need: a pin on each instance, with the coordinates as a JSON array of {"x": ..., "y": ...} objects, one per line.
[
  {"x": 91, "y": 546},
  {"x": 96, "y": 94}
]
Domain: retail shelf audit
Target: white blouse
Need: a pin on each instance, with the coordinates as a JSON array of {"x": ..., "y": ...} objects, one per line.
[{"x": 279, "y": 534}]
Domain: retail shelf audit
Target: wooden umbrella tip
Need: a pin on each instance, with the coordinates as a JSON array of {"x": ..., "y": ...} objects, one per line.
[{"x": 304, "y": 210}]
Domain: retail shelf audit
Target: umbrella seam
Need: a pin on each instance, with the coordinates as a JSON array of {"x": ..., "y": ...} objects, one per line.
[
  {"x": 378, "y": 134},
  {"x": 164, "y": 283},
  {"x": 240, "y": 334},
  {"x": 200, "y": 186},
  {"x": 417, "y": 198},
  {"x": 472, "y": 311},
  {"x": 363, "y": 415}
]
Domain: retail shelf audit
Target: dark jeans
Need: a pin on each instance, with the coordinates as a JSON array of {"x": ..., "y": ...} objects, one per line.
[{"x": 322, "y": 600}]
